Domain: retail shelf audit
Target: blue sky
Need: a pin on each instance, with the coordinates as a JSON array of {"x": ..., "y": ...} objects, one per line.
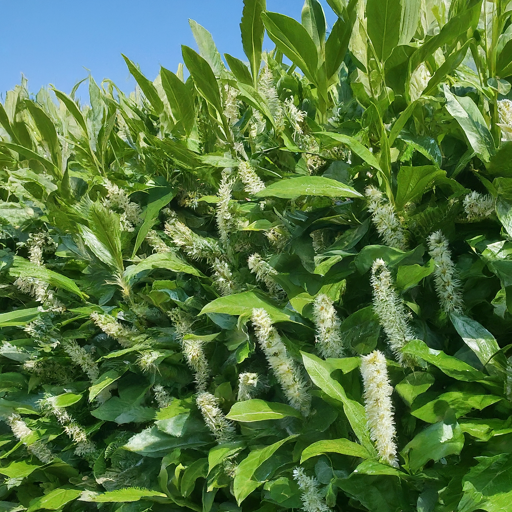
[{"x": 58, "y": 41}]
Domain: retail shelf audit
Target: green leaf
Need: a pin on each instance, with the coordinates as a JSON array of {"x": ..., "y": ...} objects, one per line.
[
  {"x": 415, "y": 384},
  {"x": 504, "y": 213},
  {"x": 127, "y": 495},
  {"x": 337, "y": 43},
  {"x": 408, "y": 276},
  {"x": 501, "y": 162},
  {"x": 73, "y": 109},
  {"x": 18, "y": 317},
  {"x": 360, "y": 331},
  {"x": 331, "y": 139},
  {"x": 243, "y": 304},
  {"x": 203, "y": 76},
  {"x": 158, "y": 198},
  {"x": 413, "y": 182},
  {"x": 294, "y": 41},
  {"x": 146, "y": 86},
  {"x": 20, "y": 469},
  {"x": 180, "y": 99},
  {"x": 207, "y": 47},
  {"x": 259, "y": 410},
  {"x": 433, "y": 443},
  {"x": 219, "y": 453},
  {"x": 504, "y": 60},
  {"x": 122, "y": 411},
  {"x": 364, "y": 260},
  {"x": 23, "y": 268},
  {"x": 313, "y": 20},
  {"x": 198, "y": 469},
  {"x": 308, "y": 186},
  {"x": 488, "y": 483},
  {"x": 47, "y": 130},
  {"x": 449, "y": 365},
  {"x": 103, "y": 382},
  {"x": 66, "y": 399},
  {"x": 161, "y": 260},
  {"x": 411, "y": 11},
  {"x": 470, "y": 119},
  {"x": 253, "y": 31},
  {"x": 320, "y": 373},
  {"x": 341, "y": 446},
  {"x": 153, "y": 443},
  {"x": 384, "y": 18},
  {"x": 458, "y": 402},
  {"x": 239, "y": 69},
  {"x": 481, "y": 342},
  {"x": 245, "y": 480},
  {"x": 32, "y": 155},
  {"x": 54, "y": 500}
]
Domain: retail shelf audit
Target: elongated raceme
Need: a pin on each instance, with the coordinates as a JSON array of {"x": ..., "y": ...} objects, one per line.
[
  {"x": 225, "y": 221},
  {"x": 222, "y": 429},
  {"x": 391, "y": 311},
  {"x": 265, "y": 273},
  {"x": 252, "y": 182},
  {"x": 328, "y": 337},
  {"x": 21, "y": 431},
  {"x": 247, "y": 384},
  {"x": 445, "y": 275},
  {"x": 223, "y": 278},
  {"x": 285, "y": 370},
  {"x": 194, "y": 353},
  {"x": 378, "y": 406},
  {"x": 385, "y": 219},
  {"x": 312, "y": 499},
  {"x": 82, "y": 358},
  {"x": 109, "y": 325}
]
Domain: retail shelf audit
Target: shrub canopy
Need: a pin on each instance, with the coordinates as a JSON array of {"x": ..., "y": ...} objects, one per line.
[{"x": 276, "y": 284}]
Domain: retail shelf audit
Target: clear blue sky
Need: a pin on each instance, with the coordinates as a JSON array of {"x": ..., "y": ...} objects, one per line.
[{"x": 57, "y": 41}]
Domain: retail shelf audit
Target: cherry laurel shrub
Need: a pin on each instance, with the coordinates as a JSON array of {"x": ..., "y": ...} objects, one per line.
[{"x": 277, "y": 284}]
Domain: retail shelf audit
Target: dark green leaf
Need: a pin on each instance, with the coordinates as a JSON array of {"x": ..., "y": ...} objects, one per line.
[
  {"x": 253, "y": 31},
  {"x": 260, "y": 410}
]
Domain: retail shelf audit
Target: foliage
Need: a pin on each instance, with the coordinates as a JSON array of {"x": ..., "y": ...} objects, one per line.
[{"x": 178, "y": 267}]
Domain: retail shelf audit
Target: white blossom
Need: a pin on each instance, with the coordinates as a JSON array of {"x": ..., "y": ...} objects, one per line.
[
  {"x": 286, "y": 371},
  {"x": 295, "y": 117},
  {"x": 147, "y": 360},
  {"x": 109, "y": 325},
  {"x": 182, "y": 322},
  {"x": 505, "y": 115},
  {"x": 328, "y": 336},
  {"x": 222, "y": 429},
  {"x": 385, "y": 220},
  {"x": 312, "y": 499},
  {"x": 117, "y": 199},
  {"x": 21, "y": 431},
  {"x": 162, "y": 397},
  {"x": 194, "y": 353},
  {"x": 268, "y": 91},
  {"x": 378, "y": 406},
  {"x": 252, "y": 182},
  {"x": 231, "y": 104},
  {"x": 478, "y": 206},
  {"x": 391, "y": 311},
  {"x": 265, "y": 273},
  {"x": 156, "y": 243},
  {"x": 195, "y": 246},
  {"x": 447, "y": 284},
  {"x": 223, "y": 277},
  {"x": 247, "y": 384},
  {"x": 81, "y": 358},
  {"x": 225, "y": 220}
]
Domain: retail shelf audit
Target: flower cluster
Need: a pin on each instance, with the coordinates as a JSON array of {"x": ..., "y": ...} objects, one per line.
[
  {"x": 247, "y": 385},
  {"x": 287, "y": 372},
  {"x": 505, "y": 114},
  {"x": 72, "y": 429},
  {"x": 223, "y": 277},
  {"x": 222, "y": 429},
  {"x": 447, "y": 285},
  {"x": 328, "y": 337},
  {"x": 391, "y": 311},
  {"x": 252, "y": 182},
  {"x": 162, "y": 397},
  {"x": 478, "y": 206},
  {"x": 22, "y": 432},
  {"x": 109, "y": 325},
  {"x": 194, "y": 353},
  {"x": 156, "y": 243},
  {"x": 81, "y": 358},
  {"x": 182, "y": 322},
  {"x": 312, "y": 499},
  {"x": 385, "y": 219},
  {"x": 147, "y": 360},
  {"x": 295, "y": 117},
  {"x": 117, "y": 200},
  {"x": 268, "y": 91},
  {"x": 378, "y": 406},
  {"x": 231, "y": 104},
  {"x": 194, "y": 245},
  {"x": 265, "y": 273},
  {"x": 225, "y": 221}
]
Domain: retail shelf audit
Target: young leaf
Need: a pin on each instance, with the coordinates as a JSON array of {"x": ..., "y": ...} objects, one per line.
[
  {"x": 341, "y": 446},
  {"x": 253, "y": 31},
  {"x": 384, "y": 18},
  {"x": 259, "y": 410},
  {"x": 207, "y": 47},
  {"x": 180, "y": 99}
]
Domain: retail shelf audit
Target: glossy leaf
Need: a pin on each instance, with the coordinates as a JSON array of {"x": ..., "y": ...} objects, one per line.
[{"x": 260, "y": 410}]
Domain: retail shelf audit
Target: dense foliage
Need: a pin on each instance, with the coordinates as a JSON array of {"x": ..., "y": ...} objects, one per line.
[{"x": 278, "y": 284}]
